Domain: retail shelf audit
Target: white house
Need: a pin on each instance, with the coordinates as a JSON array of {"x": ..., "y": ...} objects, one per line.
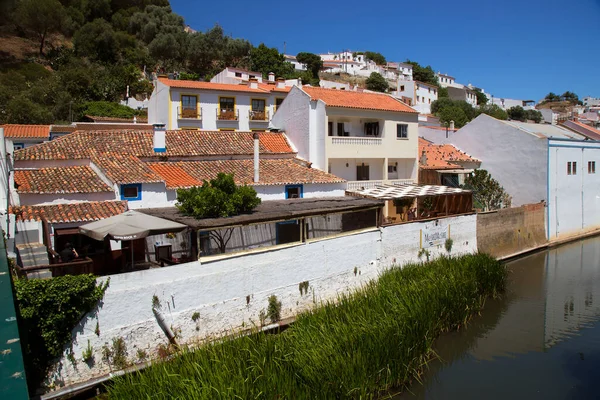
[
  {"x": 591, "y": 101},
  {"x": 298, "y": 66},
  {"x": 236, "y": 76},
  {"x": 180, "y": 104},
  {"x": 420, "y": 94},
  {"x": 464, "y": 93},
  {"x": 536, "y": 162},
  {"x": 23, "y": 136},
  {"x": 357, "y": 136}
]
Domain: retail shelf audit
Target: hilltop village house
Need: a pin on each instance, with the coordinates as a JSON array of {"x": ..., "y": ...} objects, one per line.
[
  {"x": 418, "y": 94},
  {"x": 367, "y": 139},
  {"x": 249, "y": 106},
  {"x": 536, "y": 162},
  {"x": 444, "y": 164}
]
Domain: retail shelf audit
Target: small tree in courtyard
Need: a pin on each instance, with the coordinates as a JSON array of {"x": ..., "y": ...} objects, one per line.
[
  {"x": 219, "y": 198},
  {"x": 488, "y": 194}
]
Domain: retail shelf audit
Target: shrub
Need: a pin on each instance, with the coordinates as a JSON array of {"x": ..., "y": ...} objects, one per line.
[{"x": 274, "y": 309}]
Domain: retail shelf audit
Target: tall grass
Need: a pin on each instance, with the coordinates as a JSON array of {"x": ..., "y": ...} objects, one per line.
[{"x": 361, "y": 346}]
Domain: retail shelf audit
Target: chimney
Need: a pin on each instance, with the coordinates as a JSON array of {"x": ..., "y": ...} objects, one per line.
[
  {"x": 253, "y": 83},
  {"x": 299, "y": 82},
  {"x": 255, "y": 136},
  {"x": 159, "y": 141},
  {"x": 423, "y": 160},
  {"x": 452, "y": 125},
  {"x": 280, "y": 83},
  {"x": 271, "y": 77}
]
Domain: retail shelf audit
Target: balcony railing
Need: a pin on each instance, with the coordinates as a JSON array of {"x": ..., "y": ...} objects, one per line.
[
  {"x": 261, "y": 116},
  {"x": 360, "y": 141},
  {"x": 359, "y": 185},
  {"x": 189, "y": 113},
  {"x": 228, "y": 115}
]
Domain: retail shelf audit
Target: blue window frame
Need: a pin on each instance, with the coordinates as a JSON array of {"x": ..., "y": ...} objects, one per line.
[
  {"x": 18, "y": 146},
  {"x": 294, "y": 191},
  {"x": 131, "y": 191}
]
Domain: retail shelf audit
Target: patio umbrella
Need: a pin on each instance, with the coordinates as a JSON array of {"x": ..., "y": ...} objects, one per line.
[{"x": 130, "y": 225}]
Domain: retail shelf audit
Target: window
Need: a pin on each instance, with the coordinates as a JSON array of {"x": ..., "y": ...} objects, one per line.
[
  {"x": 401, "y": 131},
  {"x": 392, "y": 168},
  {"x": 372, "y": 128},
  {"x": 227, "y": 103},
  {"x": 429, "y": 101},
  {"x": 18, "y": 146},
  {"x": 238, "y": 74},
  {"x": 329, "y": 128},
  {"x": 258, "y": 105},
  {"x": 402, "y": 88},
  {"x": 340, "y": 129},
  {"x": 258, "y": 110},
  {"x": 362, "y": 172},
  {"x": 294, "y": 191},
  {"x": 131, "y": 192},
  {"x": 278, "y": 102},
  {"x": 287, "y": 232},
  {"x": 572, "y": 168},
  {"x": 591, "y": 167}
]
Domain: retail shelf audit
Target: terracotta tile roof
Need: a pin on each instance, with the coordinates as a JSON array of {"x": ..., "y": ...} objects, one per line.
[
  {"x": 210, "y": 86},
  {"x": 14, "y": 131},
  {"x": 583, "y": 129},
  {"x": 123, "y": 169},
  {"x": 364, "y": 100},
  {"x": 272, "y": 172},
  {"x": 70, "y": 212},
  {"x": 273, "y": 88},
  {"x": 85, "y": 144},
  {"x": 441, "y": 156},
  {"x": 77, "y": 179}
]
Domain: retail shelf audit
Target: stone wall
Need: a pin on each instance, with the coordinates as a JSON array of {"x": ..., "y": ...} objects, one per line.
[{"x": 511, "y": 230}]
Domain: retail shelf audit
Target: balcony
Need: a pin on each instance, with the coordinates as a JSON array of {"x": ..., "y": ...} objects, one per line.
[
  {"x": 228, "y": 115},
  {"x": 359, "y": 185},
  {"x": 189, "y": 113},
  {"x": 258, "y": 116},
  {"x": 361, "y": 141}
]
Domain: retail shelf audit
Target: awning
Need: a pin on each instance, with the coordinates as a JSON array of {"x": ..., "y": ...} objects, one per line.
[
  {"x": 389, "y": 192},
  {"x": 454, "y": 171},
  {"x": 130, "y": 225}
]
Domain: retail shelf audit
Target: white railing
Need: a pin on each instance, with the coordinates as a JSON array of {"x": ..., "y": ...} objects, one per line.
[
  {"x": 360, "y": 185},
  {"x": 361, "y": 141}
]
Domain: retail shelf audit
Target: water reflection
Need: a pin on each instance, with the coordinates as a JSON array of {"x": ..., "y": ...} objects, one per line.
[{"x": 541, "y": 340}]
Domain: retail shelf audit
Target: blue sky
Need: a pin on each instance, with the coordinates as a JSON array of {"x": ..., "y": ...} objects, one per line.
[{"x": 514, "y": 49}]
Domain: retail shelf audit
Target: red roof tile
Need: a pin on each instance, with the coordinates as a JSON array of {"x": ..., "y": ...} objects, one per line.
[
  {"x": 210, "y": 86},
  {"x": 362, "y": 100},
  {"x": 13, "y": 131},
  {"x": 70, "y": 212},
  {"x": 84, "y": 145},
  {"x": 441, "y": 156},
  {"x": 272, "y": 172},
  {"x": 123, "y": 169},
  {"x": 77, "y": 179}
]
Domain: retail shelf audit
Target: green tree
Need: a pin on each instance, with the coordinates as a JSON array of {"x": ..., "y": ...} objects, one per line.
[
  {"x": 268, "y": 59},
  {"x": 516, "y": 113},
  {"x": 313, "y": 64},
  {"x": 551, "y": 97},
  {"x": 377, "y": 58},
  {"x": 453, "y": 113},
  {"x": 220, "y": 197},
  {"x": 96, "y": 40},
  {"x": 40, "y": 16},
  {"x": 487, "y": 192},
  {"x": 534, "y": 115},
  {"x": 493, "y": 110},
  {"x": 443, "y": 93},
  {"x": 423, "y": 74},
  {"x": 377, "y": 82},
  {"x": 570, "y": 97},
  {"x": 440, "y": 104},
  {"x": 482, "y": 99}
]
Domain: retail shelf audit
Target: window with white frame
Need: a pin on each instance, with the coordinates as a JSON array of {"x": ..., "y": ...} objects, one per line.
[{"x": 402, "y": 131}]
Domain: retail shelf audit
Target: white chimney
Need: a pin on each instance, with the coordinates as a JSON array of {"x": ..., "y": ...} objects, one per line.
[
  {"x": 253, "y": 83},
  {"x": 271, "y": 77},
  {"x": 423, "y": 160},
  {"x": 256, "y": 136},
  {"x": 452, "y": 125},
  {"x": 300, "y": 82},
  {"x": 280, "y": 83},
  {"x": 160, "y": 141}
]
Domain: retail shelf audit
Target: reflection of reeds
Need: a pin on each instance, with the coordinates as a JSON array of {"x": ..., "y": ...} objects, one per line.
[{"x": 374, "y": 340}]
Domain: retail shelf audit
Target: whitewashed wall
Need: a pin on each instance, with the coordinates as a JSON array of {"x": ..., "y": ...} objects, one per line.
[
  {"x": 229, "y": 294},
  {"x": 63, "y": 198}
]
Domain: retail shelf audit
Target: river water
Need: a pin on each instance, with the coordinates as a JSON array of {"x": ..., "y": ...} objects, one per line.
[{"x": 541, "y": 340}]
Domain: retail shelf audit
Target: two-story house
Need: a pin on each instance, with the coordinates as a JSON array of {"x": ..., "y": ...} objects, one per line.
[
  {"x": 181, "y": 104},
  {"x": 365, "y": 138},
  {"x": 420, "y": 94}
]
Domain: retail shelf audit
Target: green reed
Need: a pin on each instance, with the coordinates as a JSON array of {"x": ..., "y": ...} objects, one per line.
[{"x": 361, "y": 346}]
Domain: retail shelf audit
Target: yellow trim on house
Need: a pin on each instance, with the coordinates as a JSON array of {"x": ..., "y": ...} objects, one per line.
[
  {"x": 189, "y": 128},
  {"x": 180, "y": 108},
  {"x": 227, "y": 129},
  {"x": 234, "y": 104}
]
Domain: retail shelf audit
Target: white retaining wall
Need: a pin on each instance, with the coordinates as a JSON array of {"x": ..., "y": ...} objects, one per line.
[{"x": 229, "y": 294}]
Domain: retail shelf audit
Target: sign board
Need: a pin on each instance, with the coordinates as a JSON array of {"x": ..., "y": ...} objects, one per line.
[{"x": 435, "y": 235}]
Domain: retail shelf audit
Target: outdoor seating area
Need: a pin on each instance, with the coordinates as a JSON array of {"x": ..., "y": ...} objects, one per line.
[{"x": 406, "y": 203}]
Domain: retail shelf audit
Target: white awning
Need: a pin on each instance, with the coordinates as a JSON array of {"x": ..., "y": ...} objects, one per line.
[
  {"x": 389, "y": 192},
  {"x": 455, "y": 171}
]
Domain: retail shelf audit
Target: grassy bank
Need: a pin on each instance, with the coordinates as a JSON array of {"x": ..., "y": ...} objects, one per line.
[{"x": 370, "y": 342}]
